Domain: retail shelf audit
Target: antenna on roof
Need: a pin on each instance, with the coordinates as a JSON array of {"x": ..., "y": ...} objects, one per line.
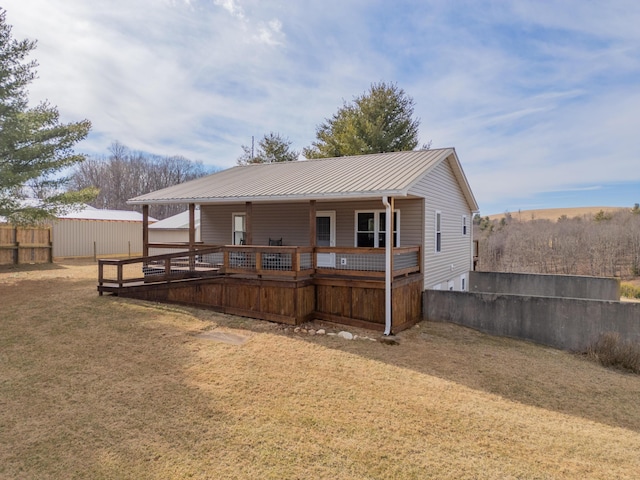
[{"x": 252, "y": 157}]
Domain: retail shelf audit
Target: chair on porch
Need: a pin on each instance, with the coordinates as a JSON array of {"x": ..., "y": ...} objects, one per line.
[
  {"x": 239, "y": 259},
  {"x": 273, "y": 261}
]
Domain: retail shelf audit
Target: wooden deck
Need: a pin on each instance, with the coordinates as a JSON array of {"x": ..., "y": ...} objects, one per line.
[{"x": 279, "y": 284}]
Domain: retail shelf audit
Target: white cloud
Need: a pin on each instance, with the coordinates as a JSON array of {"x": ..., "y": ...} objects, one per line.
[
  {"x": 270, "y": 32},
  {"x": 231, "y": 6}
]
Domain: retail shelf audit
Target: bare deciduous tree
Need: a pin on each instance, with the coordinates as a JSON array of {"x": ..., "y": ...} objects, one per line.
[
  {"x": 125, "y": 174},
  {"x": 600, "y": 245}
]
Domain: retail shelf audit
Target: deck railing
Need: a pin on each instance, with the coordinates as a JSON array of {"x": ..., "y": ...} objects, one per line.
[
  {"x": 260, "y": 261},
  {"x": 368, "y": 262}
]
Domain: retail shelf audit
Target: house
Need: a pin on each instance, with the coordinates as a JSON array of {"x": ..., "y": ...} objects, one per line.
[{"x": 352, "y": 240}]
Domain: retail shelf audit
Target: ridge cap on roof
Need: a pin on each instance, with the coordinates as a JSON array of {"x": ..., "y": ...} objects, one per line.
[{"x": 304, "y": 159}]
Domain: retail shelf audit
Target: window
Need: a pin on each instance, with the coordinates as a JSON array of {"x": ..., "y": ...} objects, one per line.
[
  {"x": 239, "y": 229},
  {"x": 464, "y": 225},
  {"x": 382, "y": 229},
  {"x": 371, "y": 228},
  {"x": 438, "y": 232}
]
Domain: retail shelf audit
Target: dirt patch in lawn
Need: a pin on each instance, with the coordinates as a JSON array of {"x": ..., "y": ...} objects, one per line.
[{"x": 102, "y": 387}]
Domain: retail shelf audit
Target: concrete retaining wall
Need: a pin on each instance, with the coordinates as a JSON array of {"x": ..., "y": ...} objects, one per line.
[
  {"x": 569, "y": 286},
  {"x": 566, "y": 323}
]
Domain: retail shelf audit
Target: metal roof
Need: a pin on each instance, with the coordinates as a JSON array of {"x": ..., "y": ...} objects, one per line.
[
  {"x": 177, "y": 222},
  {"x": 361, "y": 176},
  {"x": 90, "y": 213},
  {"x": 87, "y": 212}
]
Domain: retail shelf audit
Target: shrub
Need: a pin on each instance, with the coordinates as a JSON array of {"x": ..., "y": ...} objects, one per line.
[
  {"x": 628, "y": 290},
  {"x": 611, "y": 351}
]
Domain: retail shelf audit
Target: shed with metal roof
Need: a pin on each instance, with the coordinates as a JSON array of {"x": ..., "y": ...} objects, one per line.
[{"x": 90, "y": 232}]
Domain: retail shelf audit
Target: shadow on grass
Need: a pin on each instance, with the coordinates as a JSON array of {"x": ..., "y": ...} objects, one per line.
[
  {"x": 97, "y": 398},
  {"x": 113, "y": 387},
  {"x": 516, "y": 370},
  {"x": 31, "y": 267}
]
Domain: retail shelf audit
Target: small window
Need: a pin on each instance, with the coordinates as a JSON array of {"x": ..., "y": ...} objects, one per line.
[
  {"x": 365, "y": 229},
  {"x": 464, "y": 225},
  {"x": 438, "y": 232},
  {"x": 239, "y": 229}
]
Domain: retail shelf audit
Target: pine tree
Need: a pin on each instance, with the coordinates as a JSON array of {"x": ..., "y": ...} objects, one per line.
[
  {"x": 378, "y": 121},
  {"x": 34, "y": 146},
  {"x": 271, "y": 148}
]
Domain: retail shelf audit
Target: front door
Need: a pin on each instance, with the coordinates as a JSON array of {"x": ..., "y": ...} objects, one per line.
[{"x": 326, "y": 237}]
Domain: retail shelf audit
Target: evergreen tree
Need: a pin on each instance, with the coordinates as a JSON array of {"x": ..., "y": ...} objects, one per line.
[
  {"x": 378, "y": 121},
  {"x": 34, "y": 145},
  {"x": 271, "y": 148}
]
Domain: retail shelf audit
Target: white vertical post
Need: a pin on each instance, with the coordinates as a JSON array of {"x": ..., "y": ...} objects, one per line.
[{"x": 388, "y": 264}]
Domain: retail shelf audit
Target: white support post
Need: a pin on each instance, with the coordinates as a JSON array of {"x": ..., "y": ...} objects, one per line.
[{"x": 388, "y": 276}]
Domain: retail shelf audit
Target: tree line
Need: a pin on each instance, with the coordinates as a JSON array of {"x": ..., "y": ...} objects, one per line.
[
  {"x": 125, "y": 174},
  {"x": 604, "y": 244}
]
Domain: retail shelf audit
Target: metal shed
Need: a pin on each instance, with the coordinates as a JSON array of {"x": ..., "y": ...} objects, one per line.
[{"x": 92, "y": 232}]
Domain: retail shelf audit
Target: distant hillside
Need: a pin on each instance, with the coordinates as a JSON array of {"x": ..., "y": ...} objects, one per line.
[{"x": 554, "y": 214}]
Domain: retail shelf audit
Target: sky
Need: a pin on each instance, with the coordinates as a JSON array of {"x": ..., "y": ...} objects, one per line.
[{"x": 540, "y": 99}]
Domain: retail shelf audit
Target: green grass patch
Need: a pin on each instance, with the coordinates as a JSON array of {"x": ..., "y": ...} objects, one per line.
[{"x": 627, "y": 290}]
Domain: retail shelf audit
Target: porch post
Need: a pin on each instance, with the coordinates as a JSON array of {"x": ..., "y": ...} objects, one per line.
[
  {"x": 248, "y": 221},
  {"x": 145, "y": 230},
  {"x": 312, "y": 233},
  {"x": 192, "y": 226}
]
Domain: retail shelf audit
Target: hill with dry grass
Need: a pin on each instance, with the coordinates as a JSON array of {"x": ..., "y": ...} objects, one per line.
[{"x": 554, "y": 214}]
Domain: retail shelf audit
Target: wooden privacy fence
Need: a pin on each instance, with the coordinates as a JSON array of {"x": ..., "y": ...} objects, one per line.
[{"x": 25, "y": 245}]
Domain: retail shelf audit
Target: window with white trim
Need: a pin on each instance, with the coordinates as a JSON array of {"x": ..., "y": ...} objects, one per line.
[
  {"x": 438, "y": 225},
  {"x": 464, "y": 225},
  {"x": 239, "y": 229},
  {"x": 371, "y": 228}
]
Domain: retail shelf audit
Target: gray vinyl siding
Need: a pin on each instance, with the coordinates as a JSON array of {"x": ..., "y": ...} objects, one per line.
[
  {"x": 290, "y": 221},
  {"x": 215, "y": 223},
  {"x": 443, "y": 193},
  {"x": 76, "y": 238}
]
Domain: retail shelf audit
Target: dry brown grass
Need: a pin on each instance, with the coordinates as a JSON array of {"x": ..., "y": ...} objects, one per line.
[
  {"x": 554, "y": 214},
  {"x": 101, "y": 387},
  {"x": 613, "y": 351}
]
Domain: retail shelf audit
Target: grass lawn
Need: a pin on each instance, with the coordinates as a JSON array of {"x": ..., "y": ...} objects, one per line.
[{"x": 101, "y": 387}]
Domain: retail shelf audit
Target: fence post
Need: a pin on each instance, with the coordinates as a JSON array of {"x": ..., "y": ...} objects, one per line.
[
  {"x": 16, "y": 252},
  {"x": 50, "y": 243},
  {"x": 95, "y": 253}
]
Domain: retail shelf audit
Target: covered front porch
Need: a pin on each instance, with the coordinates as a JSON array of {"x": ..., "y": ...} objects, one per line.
[
  {"x": 287, "y": 260},
  {"x": 286, "y": 284}
]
